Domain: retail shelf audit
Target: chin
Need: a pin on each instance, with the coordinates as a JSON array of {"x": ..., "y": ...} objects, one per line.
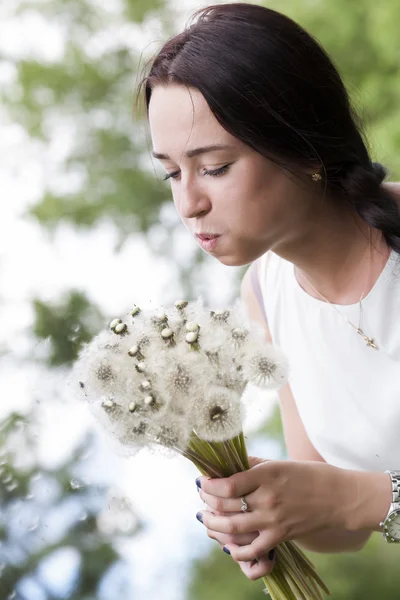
[{"x": 233, "y": 261}]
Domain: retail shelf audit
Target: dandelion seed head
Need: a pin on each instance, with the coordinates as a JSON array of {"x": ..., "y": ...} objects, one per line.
[
  {"x": 231, "y": 380},
  {"x": 239, "y": 336},
  {"x": 218, "y": 417},
  {"x": 115, "y": 348},
  {"x": 105, "y": 373},
  {"x": 213, "y": 356},
  {"x": 220, "y": 317},
  {"x": 175, "y": 370},
  {"x": 171, "y": 434},
  {"x": 100, "y": 368},
  {"x": 214, "y": 339},
  {"x": 144, "y": 342},
  {"x": 178, "y": 379},
  {"x": 264, "y": 365}
]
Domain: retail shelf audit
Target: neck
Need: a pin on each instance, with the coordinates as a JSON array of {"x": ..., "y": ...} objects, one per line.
[{"x": 331, "y": 254}]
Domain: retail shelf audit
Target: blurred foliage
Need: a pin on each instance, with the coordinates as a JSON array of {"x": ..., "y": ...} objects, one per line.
[
  {"x": 87, "y": 95},
  {"x": 362, "y": 40},
  {"x": 45, "y": 511},
  {"x": 67, "y": 325},
  {"x": 370, "y": 574}
]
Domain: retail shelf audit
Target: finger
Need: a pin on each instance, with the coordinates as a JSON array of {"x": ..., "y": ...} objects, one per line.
[
  {"x": 255, "y": 460},
  {"x": 260, "y": 546},
  {"x": 241, "y": 539},
  {"x": 244, "y": 523},
  {"x": 221, "y": 513},
  {"x": 254, "y": 570},
  {"x": 235, "y": 486},
  {"x": 227, "y": 505}
]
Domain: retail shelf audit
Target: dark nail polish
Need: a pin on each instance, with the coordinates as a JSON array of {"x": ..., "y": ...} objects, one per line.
[
  {"x": 198, "y": 483},
  {"x": 199, "y": 517},
  {"x": 271, "y": 554},
  {"x": 226, "y": 550}
]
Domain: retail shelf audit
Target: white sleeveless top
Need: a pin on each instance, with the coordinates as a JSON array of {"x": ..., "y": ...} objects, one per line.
[{"x": 347, "y": 394}]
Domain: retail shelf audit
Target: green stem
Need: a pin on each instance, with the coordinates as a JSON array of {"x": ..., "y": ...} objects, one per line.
[{"x": 294, "y": 576}]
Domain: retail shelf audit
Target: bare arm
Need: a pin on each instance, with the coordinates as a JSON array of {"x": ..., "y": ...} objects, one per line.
[{"x": 299, "y": 447}]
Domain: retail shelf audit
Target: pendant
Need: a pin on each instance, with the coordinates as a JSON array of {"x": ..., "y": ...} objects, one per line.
[{"x": 369, "y": 341}]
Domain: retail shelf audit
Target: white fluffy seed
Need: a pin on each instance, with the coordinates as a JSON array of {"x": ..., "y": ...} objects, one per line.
[
  {"x": 167, "y": 333},
  {"x": 149, "y": 400},
  {"x": 108, "y": 403},
  {"x": 114, "y": 323},
  {"x": 145, "y": 385},
  {"x": 192, "y": 337},
  {"x": 132, "y": 407},
  {"x": 141, "y": 367},
  {"x": 135, "y": 311},
  {"x": 181, "y": 304},
  {"x": 191, "y": 326},
  {"x": 133, "y": 351},
  {"x": 120, "y": 328}
]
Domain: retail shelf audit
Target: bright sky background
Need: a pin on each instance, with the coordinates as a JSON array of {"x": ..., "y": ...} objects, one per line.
[{"x": 162, "y": 491}]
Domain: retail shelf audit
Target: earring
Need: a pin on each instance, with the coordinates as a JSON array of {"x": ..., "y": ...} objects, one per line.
[{"x": 316, "y": 177}]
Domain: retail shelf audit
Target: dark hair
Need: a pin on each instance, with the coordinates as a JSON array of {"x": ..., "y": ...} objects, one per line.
[{"x": 271, "y": 85}]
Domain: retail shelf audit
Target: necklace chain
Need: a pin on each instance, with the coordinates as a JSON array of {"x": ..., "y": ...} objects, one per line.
[{"x": 369, "y": 341}]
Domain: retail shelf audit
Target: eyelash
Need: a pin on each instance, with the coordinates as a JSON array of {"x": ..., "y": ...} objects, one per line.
[{"x": 215, "y": 173}]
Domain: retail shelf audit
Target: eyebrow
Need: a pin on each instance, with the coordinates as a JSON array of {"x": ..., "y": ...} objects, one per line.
[{"x": 194, "y": 152}]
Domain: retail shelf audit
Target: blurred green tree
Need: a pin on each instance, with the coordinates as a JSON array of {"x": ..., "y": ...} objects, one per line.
[{"x": 46, "y": 513}]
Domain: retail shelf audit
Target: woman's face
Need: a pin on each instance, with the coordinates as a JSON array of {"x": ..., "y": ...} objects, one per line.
[{"x": 233, "y": 190}]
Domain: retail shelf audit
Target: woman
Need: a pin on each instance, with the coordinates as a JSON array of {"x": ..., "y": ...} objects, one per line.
[{"x": 268, "y": 165}]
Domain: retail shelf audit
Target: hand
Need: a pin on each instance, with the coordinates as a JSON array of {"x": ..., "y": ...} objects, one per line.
[
  {"x": 287, "y": 500},
  {"x": 252, "y": 569}
]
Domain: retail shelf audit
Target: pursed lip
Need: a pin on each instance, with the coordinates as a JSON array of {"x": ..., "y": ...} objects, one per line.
[{"x": 207, "y": 236}]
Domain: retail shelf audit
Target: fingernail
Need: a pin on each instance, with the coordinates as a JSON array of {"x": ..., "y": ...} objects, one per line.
[
  {"x": 226, "y": 550},
  {"x": 199, "y": 517},
  {"x": 198, "y": 483},
  {"x": 271, "y": 554}
]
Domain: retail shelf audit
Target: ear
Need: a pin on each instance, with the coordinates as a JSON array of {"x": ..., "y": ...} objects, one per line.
[{"x": 393, "y": 188}]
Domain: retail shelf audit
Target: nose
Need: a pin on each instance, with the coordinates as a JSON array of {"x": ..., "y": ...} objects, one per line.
[{"x": 192, "y": 199}]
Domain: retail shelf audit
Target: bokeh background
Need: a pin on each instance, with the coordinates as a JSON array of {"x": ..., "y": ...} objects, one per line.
[{"x": 87, "y": 228}]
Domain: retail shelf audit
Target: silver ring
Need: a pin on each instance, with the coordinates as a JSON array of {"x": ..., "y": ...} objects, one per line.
[{"x": 244, "y": 504}]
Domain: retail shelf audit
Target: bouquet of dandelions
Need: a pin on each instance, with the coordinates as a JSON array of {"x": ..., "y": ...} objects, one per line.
[{"x": 174, "y": 379}]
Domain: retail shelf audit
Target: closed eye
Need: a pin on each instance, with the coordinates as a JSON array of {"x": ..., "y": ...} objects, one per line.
[{"x": 212, "y": 173}]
